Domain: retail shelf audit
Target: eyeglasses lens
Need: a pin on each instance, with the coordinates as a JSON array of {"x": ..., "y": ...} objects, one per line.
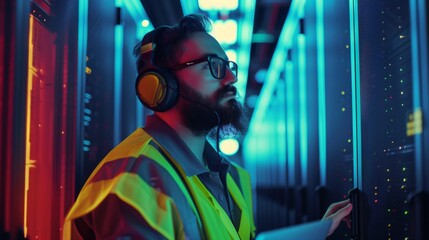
[{"x": 218, "y": 67}]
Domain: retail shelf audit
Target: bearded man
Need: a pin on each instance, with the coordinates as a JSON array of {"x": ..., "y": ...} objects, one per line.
[{"x": 166, "y": 181}]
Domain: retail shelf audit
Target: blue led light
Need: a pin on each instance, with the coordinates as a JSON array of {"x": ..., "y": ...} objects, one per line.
[
  {"x": 320, "y": 31},
  {"x": 303, "y": 116},
  {"x": 355, "y": 77},
  {"x": 119, "y": 45},
  {"x": 290, "y": 121}
]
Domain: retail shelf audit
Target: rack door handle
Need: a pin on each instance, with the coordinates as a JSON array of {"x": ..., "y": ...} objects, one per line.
[{"x": 354, "y": 196}]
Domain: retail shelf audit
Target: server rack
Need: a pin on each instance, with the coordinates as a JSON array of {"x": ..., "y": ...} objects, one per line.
[
  {"x": 46, "y": 112},
  {"x": 369, "y": 60},
  {"x": 314, "y": 191},
  {"x": 97, "y": 102},
  {"x": 50, "y": 118},
  {"x": 335, "y": 74},
  {"x": 419, "y": 200},
  {"x": 271, "y": 150},
  {"x": 110, "y": 109},
  {"x": 388, "y": 121}
]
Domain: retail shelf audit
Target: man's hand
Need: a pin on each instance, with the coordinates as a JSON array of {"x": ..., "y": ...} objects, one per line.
[{"x": 337, "y": 212}]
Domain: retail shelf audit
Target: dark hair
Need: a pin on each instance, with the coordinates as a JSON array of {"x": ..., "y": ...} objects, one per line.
[{"x": 169, "y": 40}]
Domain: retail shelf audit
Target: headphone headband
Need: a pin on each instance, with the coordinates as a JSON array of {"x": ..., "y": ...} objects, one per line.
[{"x": 147, "y": 48}]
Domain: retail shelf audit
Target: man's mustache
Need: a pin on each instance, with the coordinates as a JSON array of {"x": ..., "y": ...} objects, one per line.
[{"x": 227, "y": 89}]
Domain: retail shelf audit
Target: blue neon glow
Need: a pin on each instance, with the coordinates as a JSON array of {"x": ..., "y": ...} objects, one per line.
[
  {"x": 189, "y": 6},
  {"x": 119, "y": 49},
  {"x": 290, "y": 121},
  {"x": 320, "y": 31},
  {"x": 137, "y": 13},
  {"x": 143, "y": 25},
  {"x": 245, "y": 30},
  {"x": 355, "y": 78},
  {"x": 419, "y": 51},
  {"x": 82, "y": 39},
  {"x": 276, "y": 64},
  {"x": 82, "y": 36},
  {"x": 303, "y": 126},
  {"x": 279, "y": 128},
  {"x": 416, "y": 87}
]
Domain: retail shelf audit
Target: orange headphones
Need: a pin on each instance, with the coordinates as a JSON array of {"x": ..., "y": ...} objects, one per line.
[{"x": 156, "y": 87}]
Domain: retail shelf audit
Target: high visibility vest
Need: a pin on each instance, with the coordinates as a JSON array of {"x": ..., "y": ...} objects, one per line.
[{"x": 156, "y": 207}]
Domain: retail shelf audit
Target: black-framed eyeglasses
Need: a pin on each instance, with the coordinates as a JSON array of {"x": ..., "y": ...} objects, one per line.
[{"x": 217, "y": 65}]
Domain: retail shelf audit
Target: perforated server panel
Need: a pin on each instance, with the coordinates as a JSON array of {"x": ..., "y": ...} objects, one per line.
[{"x": 386, "y": 110}]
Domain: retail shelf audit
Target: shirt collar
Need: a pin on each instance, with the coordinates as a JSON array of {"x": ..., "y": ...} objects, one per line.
[{"x": 174, "y": 145}]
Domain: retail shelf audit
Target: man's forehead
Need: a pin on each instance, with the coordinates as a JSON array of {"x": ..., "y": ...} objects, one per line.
[{"x": 200, "y": 44}]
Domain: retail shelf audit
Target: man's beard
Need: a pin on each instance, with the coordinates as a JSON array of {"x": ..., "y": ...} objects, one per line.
[{"x": 201, "y": 115}]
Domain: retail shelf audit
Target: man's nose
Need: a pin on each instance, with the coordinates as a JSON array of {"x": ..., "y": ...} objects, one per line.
[{"x": 229, "y": 78}]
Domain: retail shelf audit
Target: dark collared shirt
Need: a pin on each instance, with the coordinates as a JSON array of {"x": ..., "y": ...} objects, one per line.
[{"x": 214, "y": 178}]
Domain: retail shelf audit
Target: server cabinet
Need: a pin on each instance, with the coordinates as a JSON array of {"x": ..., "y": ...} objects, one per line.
[
  {"x": 266, "y": 162},
  {"x": 387, "y": 120},
  {"x": 128, "y": 31},
  {"x": 98, "y": 99},
  {"x": 319, "y": 111},
  {"x": 314, "y": 192},
  {"x": 336, "y": 128},
  {"x": 275, "y": 149},
  {"x": 44, "y": 50},
  {"x": 366, "y": 64},
  {"x": 317, "y": 121},
  {"x": 50, "y": 139},
  {"x": 110, "y": 109}
]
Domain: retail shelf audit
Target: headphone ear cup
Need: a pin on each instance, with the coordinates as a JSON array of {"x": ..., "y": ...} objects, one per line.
[{"x": 157, "y": 89}]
